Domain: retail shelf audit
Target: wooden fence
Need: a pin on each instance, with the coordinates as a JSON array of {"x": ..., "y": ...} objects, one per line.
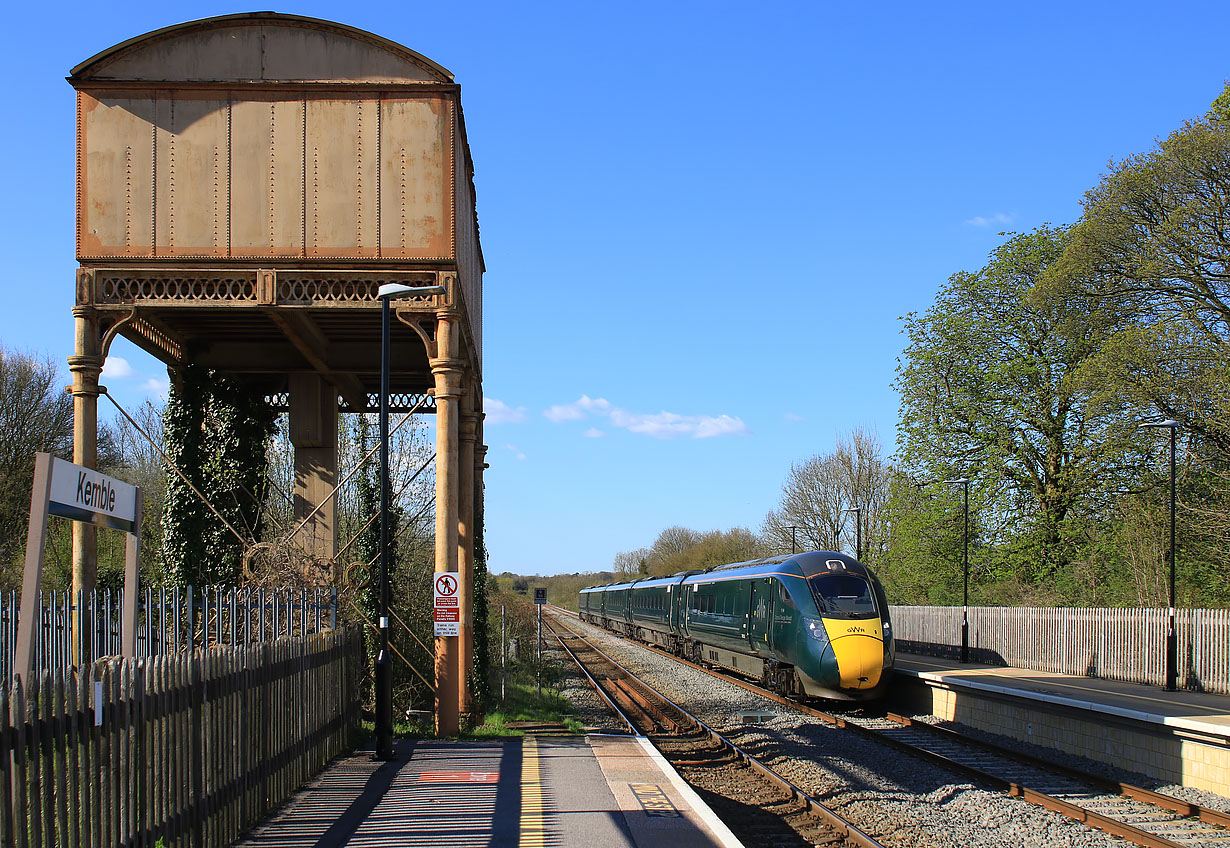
[
  {"x": 1114, "y": 644},
  {"x": 168, "y": 620},
  {"x": 190, "y": 748}
]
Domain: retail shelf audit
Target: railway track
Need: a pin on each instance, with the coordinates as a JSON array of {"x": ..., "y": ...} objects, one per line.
[
  {"x": 762, "y": 807},
  {"x": 1130, "y": 812}
]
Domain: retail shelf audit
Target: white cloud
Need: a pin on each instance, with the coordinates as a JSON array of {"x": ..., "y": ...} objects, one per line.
[
  {"x": 499, "y": 412},
  {"x": 117, "y": 368},
  {"x": 658, "y": 425},
  {"x": 594, "y": 433},
  {"x": 579, "y": 410},
  {"x": 793, "y": 416},
  {"x": 516, "y": 451},
  {"x": 155, "y": 386},
  {"x": 999, "y": 218}
]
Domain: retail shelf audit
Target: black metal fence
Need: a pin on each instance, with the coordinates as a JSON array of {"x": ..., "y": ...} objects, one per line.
[{"x": 168, "y": 621}]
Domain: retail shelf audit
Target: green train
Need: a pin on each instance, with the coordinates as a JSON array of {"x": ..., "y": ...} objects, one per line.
[{"x": 812, "y": 625}]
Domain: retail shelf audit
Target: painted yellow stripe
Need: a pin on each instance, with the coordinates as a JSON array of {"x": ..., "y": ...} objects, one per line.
[{"x": 533, "y": 804}]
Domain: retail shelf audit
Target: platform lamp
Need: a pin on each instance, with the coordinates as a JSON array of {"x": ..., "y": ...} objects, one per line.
[
  {"x": 384, "y": 662},
  {"x": 858, "y": 531},
  {"x": 1172, "y": 637},
  {"x": 964, "y": 481},
  {"x": 794, "y": 545}
]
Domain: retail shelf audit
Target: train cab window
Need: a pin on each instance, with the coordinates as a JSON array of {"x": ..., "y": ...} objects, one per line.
[
  {"x": 842, "y": 595},
  {"x": 783, "y": 597}
]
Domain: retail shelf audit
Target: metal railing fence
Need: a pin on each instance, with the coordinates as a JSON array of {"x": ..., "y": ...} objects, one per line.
[
  {"x": 169, "y": 620},
  {"x": 1114, "y": 644}
]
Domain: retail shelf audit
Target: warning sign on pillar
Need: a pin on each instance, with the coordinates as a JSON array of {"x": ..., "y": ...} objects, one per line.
[{"x": 446, "y": 606}]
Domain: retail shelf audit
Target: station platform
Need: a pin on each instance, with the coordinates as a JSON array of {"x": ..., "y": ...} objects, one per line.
[
  {"x": 593, "y": 791},
  {"x": 1176, "y": 737}
]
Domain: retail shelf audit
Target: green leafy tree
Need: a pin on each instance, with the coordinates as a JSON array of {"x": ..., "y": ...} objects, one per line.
[
  {"x": 1155, "y": 235},
  {"x": 992, "y": 387}
]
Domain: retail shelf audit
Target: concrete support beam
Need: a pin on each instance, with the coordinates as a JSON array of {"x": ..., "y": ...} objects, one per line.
[
  {"x": 313, "y": 433},
  {"x": 447, "y": 370}
]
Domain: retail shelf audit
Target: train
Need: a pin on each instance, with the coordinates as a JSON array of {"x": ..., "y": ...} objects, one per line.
[{"x": 807, "y": 625}]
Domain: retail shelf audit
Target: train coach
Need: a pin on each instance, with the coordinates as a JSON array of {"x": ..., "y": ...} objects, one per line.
[{"x": 813, "y": 625}]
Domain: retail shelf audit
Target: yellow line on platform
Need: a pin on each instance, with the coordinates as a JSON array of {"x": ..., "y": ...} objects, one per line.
[{"x": 533, "y": 806}]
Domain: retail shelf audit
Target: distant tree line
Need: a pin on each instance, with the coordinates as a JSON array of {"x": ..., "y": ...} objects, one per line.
[{"x": 1035, "y": 378}]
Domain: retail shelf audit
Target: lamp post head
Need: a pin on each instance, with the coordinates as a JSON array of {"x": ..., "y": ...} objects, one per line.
[
  {"x": 394, "y": 291},
  {"x": 959, "y": 480},
  {"x": 1169, "y": 422}
]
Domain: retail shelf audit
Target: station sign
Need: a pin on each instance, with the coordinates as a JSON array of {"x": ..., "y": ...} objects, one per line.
[
  {"x": 83, "y": 494},
  {"x": 540, "y": 596},
  {"x": 447, "y": 604}
]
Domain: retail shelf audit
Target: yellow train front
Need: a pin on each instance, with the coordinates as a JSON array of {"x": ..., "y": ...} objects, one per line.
[{"x": 814, "y": 624}]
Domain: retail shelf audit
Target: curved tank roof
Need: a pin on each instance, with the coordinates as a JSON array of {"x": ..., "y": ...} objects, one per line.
[{"x": 260, "y": 47}]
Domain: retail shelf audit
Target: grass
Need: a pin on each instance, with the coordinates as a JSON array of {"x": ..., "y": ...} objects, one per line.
[{"x": 523, "y": 703}]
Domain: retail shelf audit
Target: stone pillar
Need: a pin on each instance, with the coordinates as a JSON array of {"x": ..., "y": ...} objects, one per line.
[
  {"x": 465, "y": 552},
  {"x": 313, "y": 432},
  {"x": 85, "y": 366},
  {"x": 447, "y": 370}
]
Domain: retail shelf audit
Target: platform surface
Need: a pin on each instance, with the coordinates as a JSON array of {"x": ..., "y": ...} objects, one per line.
[
  {"x": 1195, "y": 711},
  {"x": 595, "y": 792}
]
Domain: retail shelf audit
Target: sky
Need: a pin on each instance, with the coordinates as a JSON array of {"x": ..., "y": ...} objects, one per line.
[{"x": 702, "y": 222}]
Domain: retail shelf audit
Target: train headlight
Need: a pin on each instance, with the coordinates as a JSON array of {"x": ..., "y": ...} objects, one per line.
[{"x": 815, "y": 629}]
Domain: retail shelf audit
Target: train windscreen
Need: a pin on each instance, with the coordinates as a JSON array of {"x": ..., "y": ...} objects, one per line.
[{"x": 843, "y": 595}]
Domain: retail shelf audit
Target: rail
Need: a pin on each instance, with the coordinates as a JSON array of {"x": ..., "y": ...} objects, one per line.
[
  {"x": 845, "y": 830},
  {"x": 1016, "y": 787}
]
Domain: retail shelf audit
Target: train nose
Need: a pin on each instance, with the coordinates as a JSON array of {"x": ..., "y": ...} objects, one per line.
[{"x": 859, "y": 660}]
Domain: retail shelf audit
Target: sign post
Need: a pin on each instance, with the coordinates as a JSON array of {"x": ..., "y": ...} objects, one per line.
[
  {"x": 80, "y": 494},
  {"x": 540, "y": 598},
  {"x": 447, "y": 608}
]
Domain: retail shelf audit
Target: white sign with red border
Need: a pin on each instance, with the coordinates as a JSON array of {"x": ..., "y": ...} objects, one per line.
[{"x": 447, "y": 605}]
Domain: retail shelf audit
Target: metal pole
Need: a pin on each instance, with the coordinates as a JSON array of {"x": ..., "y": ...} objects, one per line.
[
  {"x": 965, "y": 585},
  {"x": 538, "y": 667},
  {"x": 384, "y": 664},
  {"x": 503, "y": 651},
  {"x": 1172, "y": 640},
  {"x": 794, "y": 547}
]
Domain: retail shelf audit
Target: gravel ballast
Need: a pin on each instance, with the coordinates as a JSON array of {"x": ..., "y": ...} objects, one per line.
[{"x": 901, "y": 800}]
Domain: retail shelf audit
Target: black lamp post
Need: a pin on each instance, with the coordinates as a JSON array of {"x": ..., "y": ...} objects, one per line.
[
  {"x": 964, "y": 481},
  {"x": 794, "y": 547},
  {"x": 384, "y": 662},
  {"x": 1172, "y": 637},
  {"x": 858, "y": 531}
]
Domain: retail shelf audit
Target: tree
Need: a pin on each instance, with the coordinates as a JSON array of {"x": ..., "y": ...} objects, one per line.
[
  {"x": 35, "y": 415},
  {"x": 992, "y": 387},
  {"x": 1154, "y": 234},
  {"x": 631, "y": 564},
  {"x": 819, "y": 492}
]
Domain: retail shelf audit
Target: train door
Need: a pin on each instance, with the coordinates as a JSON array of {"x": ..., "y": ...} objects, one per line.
[{"x": 761, "y": 614}]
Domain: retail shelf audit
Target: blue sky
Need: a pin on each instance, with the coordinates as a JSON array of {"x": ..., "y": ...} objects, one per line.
[{"x": 701, "y": 221}]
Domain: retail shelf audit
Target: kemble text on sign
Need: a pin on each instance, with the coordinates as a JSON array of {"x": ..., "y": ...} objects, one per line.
[
  {"x": 83, "y": 494},
  {"x": 446, "y": 607}
]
